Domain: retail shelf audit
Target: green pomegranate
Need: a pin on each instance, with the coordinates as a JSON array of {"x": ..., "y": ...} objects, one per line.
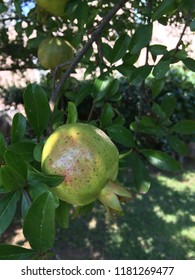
[
  {"x": 88, "y": 160},
  {"x": 54, "y": 51},
  {"x": 55, "y": 8}
]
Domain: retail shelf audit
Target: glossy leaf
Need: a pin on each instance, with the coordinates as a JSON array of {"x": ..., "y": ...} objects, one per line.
[
  {"x": 189, "y": 63},
  {"x": 140, "y": 74},
  {"x": 8, "y": 205},
  {"x": 62, "y": 214},
  {"x": 18, "y": 128},
  {"x": 37, "y": 108},
  {"x": 24, "y": 149},
  {"x": 121, "y": 135},
  {"x": 107, "y": 115},
  {"x": 37, "y": 152},
  {"x": 161, "y": 160},
  {"x": 168, "y": 105},
  {"x": 3, "y": 8},
  {"x": 161, "y": 68},
  {"x": 101, "y": 86},
  {"x": 177, "y": 145},
  {"x": 2, "y": 147},
  {"x": 184, "y": 127},
  {"x": 156, "y": 109},
  {"x": 120, "y": 47},
  {"x": 157, "y": 86},
  {"x": 141, "y": 38},
  {"x": 130, "y": 59},
  {"x": 166, "y": 6},
  {"x": 39, "y": 223},
  {"x": 113, "y": 88},
  {"x": 107, "y": 52},
  {"x": 192, "y": 26},
  {"x": 140, "y": 174},
  {"x": 148, "y": 125},
  {"x": 16, "y": 162},
  {"x": 157, "y": 49},
  {"x": 36, "y": 176},
  {"x": 12, "y": 180},
  {"x": 37, "y": 188},
  {"x": 11, "y": 252},
  {"x": 24, "y": 205},
  {"x": 72, "y": 113}
]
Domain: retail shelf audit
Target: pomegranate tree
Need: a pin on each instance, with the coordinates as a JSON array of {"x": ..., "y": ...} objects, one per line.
[{"x": 88, "y": 160}]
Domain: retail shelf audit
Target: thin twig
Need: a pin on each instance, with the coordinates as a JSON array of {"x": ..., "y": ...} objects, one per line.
[
  {"x": 181, "y": 35},
  {"x": 87, "y": 46}
]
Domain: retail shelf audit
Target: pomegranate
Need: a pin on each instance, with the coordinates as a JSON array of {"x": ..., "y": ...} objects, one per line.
[
  {"x": 54, "y": 51},
  {"x": 88, "y": 160},
  {"x": 55, "y": 8}
]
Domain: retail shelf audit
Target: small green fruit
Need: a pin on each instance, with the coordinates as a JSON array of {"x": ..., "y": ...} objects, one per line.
[
  {"x": 55, "y": 8},
  {"x": 54, "y": 51}
]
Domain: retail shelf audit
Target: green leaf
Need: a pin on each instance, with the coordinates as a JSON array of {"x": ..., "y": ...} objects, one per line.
[
  {"x": 140, "y": 174},
  {"x": 141, "y": 38},
  {"x": 184, "y": 127},
  {"x": 166, "y": 6},
  {"x": 37, "y": 108},
  {"x": 121, "y": 135},
  {"x": 3, "y": 8},
  {"x": 12, "y": 180},
  {"x": 107, "y": 52},
  {"x": 84, "y": 91},
  {"x": 113, "y": 88},
  {"x": 157, "y": 49},
  {"x": 106, "y": 115},
  {"x": 157, "y": 86},
  {"x": 7, "y": 210},
  {"x": 189, "y": 63},
  {"x": 120, "y": 47},
  {"x": 24, "y": 149},
  {"x": 161, "y": 160},
  {"x": 2, "y": 147},
  {"x": 130, "y": 59},
  {"x": 39, "y": 223},
  {"x": 18, "y": 128},
  {"x": 25, "y": 205},
  {"x": 81, "y": 13},
  {"x": 126, "y": 70},
  {"x": 161, "y": 68},
  {"x": 62, "y": 214},
  {"x": 192, "y": 26},
  {"x": 18, "y": 9},
  {"x": 72, "y": 113},
  {"x": 156, "y": 109},
  {"x": 11, "y": 252},
  {"x": 37, "y": 152},
  {"x": 50, "y": 180},
  {"x": 140, "y": 74},
  {"x": 168, "y": 105},
  {"x": 16, "y": 162},
  {"x": 37, "y": 188},
  {"x": 148, "y": 125},
  {"x": 177, "y": 145},
  {"x": 101, "y": 86}
]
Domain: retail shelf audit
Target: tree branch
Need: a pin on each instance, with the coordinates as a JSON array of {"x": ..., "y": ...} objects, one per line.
[{"x": 84, "y": 50}]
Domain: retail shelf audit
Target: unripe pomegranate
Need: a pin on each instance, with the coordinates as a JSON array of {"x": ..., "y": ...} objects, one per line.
[
  {"x": 53, "y": 51},
  {"x": 55, "y": 8},
  {"x": 88, "y": 160}
]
